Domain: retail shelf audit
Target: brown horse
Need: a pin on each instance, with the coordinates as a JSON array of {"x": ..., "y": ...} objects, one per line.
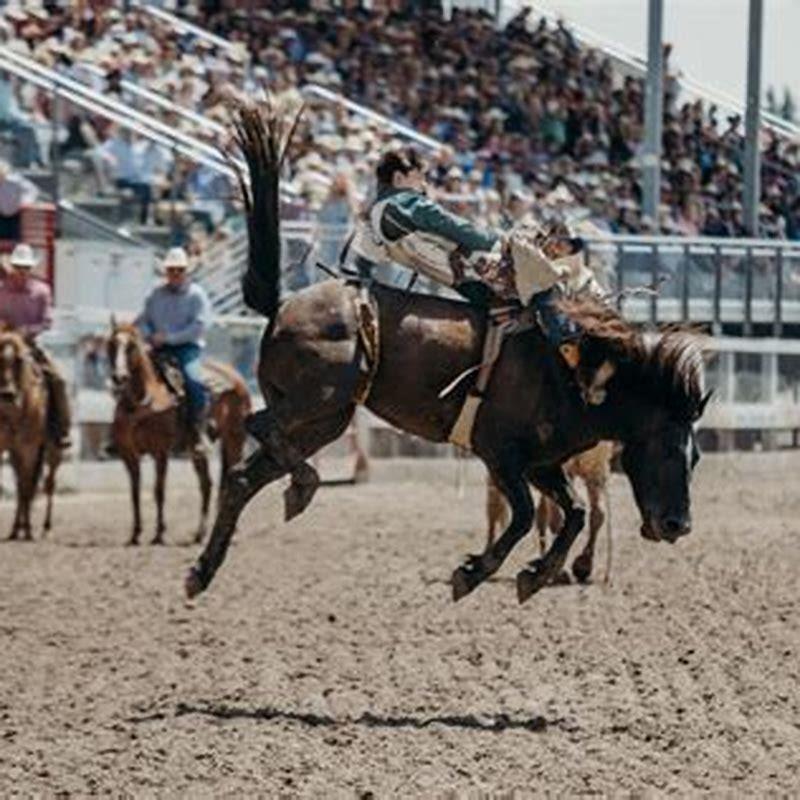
[
  {"x": 24, "y": 431},
  {"x": 593, "y": 468},
  {"x": 321, "y": 355},
  {"x": 148, "y": 420}
]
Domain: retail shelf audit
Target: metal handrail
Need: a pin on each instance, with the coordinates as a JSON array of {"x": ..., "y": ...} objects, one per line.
[
  {"x": 183, "y": 26},
  {"x": 357, "y": 108},
  {"x": 68, "y": 207},
  {"x": 160, "y": 100},
  {"x": 143, "y": 124}
]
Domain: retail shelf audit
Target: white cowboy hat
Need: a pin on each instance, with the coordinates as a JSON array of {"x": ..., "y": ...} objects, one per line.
[
  {"x": 176, "y": 258},
  {"x": 23, "y": 257}
]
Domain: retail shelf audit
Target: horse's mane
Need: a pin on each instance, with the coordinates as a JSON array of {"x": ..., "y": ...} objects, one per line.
[{"x": 667, "y": 363}]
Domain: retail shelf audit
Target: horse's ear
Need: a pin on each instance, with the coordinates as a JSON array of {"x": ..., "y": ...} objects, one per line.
[
  {"x": 114, "y": 323},
  {"x": 701, "y": 406}
]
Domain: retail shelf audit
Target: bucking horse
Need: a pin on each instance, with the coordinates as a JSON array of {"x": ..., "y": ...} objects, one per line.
[{"x": 339, "y": 343}]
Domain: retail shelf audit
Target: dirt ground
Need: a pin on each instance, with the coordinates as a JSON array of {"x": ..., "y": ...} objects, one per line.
[{"x": 328, "y": 660}]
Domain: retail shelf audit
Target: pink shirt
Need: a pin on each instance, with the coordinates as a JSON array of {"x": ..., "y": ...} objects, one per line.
[{"x": 29, "y": 310}]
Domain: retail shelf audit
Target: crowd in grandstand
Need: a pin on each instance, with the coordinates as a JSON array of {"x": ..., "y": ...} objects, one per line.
[{"x": 528, "y": 116}]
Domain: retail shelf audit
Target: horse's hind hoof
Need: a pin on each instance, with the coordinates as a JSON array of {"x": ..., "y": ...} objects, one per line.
[
  {"x": 192, "y": 584},
  {"x": 582, "y": 569},
  {"x": 301, "y": 491},
  {"x": 530, "y": 580}
]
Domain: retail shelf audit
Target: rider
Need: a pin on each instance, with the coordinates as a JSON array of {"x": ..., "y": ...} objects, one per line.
[
  {"x": 26, "y": 305},
  {"x": 406, "y": 226},
  {"x": 174, "y": 321}
]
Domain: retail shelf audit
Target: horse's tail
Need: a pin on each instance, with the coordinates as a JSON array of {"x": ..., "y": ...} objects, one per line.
[{"x": 263, "y": 136}]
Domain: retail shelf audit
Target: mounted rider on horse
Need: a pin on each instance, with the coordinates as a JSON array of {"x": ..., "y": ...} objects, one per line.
[
  {"x": 26, "y": 306},
  {"x": 522, "y": 267}
]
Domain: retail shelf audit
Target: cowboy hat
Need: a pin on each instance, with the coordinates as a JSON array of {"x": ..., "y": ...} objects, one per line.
[
  {"x": 176, "y": 258},
  {"x": 23, "y": 257}
]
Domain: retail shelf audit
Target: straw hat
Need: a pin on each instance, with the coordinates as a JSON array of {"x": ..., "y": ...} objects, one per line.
[
  {"x": 176, "y": 258},
  {"x": 23, "y": 257}
]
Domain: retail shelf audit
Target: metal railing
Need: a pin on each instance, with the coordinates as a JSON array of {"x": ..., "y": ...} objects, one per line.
[
  {"x": 313, "y": 90},
  {"x": 182, "y": 25},
  {"x": 85, "y": 97},
  {"x": 745, "y": 282}
]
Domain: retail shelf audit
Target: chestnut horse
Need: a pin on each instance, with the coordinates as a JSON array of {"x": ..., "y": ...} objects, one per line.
[
  {"x": 24, "y": 431},
  {"x": 336, "y": 344},
  {"x": 149, "y": 420},
  {"x": 593, "y": 469}
]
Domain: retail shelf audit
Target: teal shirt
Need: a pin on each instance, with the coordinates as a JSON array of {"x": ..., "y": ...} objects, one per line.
[{"x": 409, "y": 212}]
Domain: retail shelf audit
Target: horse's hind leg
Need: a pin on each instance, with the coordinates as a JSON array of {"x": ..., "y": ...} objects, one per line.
[
  {"x": 247, "y": 478},
  {"x": 512, "y": 483},
  {"x": 553, "y": 482},
  {"x": 160, "y": 494},
  {"x": 200, "y": 464},
  {"x": 582, "y": 565},
  {"x": 264, "y": 427}
]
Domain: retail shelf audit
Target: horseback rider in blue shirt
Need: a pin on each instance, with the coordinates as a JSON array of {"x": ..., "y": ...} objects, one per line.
[{"x": 174, "y": 321}]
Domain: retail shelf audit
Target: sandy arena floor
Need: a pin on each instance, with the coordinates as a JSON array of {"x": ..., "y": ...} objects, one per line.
[{"x": 328, "y": 660}]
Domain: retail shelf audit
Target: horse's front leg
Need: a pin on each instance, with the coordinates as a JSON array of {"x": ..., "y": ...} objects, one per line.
[
  {"x": 160, "y": 493},
  {"x": 200, "y": 463},
  {"x": 53, "y": 461},
  {"x": 513, "y": 485},
  {"x": 553, "y": 482},
  {"x": 583, "y": 564},
  {"x": 131, "y": 461}
]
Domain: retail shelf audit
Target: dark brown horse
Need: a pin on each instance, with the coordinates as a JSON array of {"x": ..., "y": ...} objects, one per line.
[
  {"x": 24, "y": 431},
  {"x": 148, "y": 420},
  {"x": 317, "y": 363}
]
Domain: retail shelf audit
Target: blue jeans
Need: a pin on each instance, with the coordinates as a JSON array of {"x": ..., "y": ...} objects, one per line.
[
  {"x": 188, "y": 358},
  {"x": 558, "y": 327}
]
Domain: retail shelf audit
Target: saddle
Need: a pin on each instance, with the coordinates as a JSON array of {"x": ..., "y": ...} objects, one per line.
[
  {"x": 215, "y": 377},
  {"x": 170, "y": 373}
]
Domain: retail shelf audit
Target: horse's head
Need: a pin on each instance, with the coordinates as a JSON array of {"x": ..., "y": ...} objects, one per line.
[
  {"x": 649, "y": 390},
  {"x": 14, "y": 361},
  {"x": 125, "y": 350}
]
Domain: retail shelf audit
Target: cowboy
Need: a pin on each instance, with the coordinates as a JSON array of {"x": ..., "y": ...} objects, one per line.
[
  {"x": 405, "y": 226},
  {"x": 26, "y": 305},
  {"x": 174, "y": 321}
]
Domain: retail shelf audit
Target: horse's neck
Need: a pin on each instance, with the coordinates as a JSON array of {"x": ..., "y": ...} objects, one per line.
[{"x": 146, "y": 383}]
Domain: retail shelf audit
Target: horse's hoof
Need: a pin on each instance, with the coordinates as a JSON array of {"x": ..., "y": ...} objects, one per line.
[
  {"x": 300, "y": 492},
  {"x": 12, "y": 538},
  {"x": 133, "y": 541},
  {"x": 157, "y": 539},
  {"x": 582, "y": 568},
  {"x": 466, "y": 578},
  {"x": 192, "y": 584},
  {"x": 199, "y": 536},
  {"x": 530, "y": 580}
]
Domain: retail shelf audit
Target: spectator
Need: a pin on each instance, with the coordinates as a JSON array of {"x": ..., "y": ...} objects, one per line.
[
  {"x": 335, "y": 215},
  {"x": 15, "y": 192},
  {"x": 119, "y": 152}
]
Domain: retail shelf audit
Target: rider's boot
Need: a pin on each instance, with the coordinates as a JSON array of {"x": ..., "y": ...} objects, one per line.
[
  {"x": 199, "y": 443},
  {"x": 559, "y": 329}
]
